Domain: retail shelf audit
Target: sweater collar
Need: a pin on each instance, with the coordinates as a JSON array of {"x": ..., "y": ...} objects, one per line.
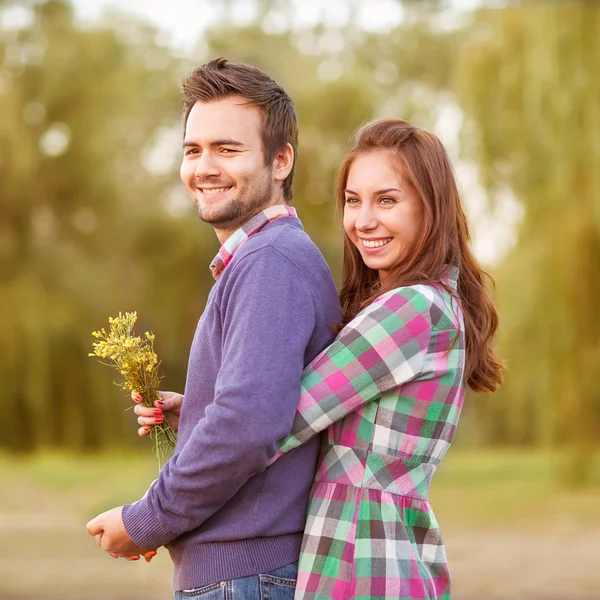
[{"x": 248, "y": 229}]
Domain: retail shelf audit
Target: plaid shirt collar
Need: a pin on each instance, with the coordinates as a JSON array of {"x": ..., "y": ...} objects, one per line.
[
  {"x": 247, "y": 230},
  {"x": 449, "y": 276}
]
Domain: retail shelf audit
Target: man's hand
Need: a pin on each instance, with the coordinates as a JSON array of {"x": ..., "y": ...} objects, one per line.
[
  {"x": 168, "y": 406},
  {"x": 110, "y": 534}
]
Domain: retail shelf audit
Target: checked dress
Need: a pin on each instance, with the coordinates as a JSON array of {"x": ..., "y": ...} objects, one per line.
[{"x": 388, "y": 394}]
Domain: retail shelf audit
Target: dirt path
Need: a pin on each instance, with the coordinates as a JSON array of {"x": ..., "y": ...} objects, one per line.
[
  {"x": 502, "y": 565},
  {"x": 50, "y": 557}
]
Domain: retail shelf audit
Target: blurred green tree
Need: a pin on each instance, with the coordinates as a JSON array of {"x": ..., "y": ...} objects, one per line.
[
  {"x": 529, "y": 84},
  {"x": 93, "y": 219},
  {"x": 80, "y": 110}
]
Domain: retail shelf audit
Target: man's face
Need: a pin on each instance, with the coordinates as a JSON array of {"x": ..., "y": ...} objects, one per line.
[{"x": 223, "y": 165}]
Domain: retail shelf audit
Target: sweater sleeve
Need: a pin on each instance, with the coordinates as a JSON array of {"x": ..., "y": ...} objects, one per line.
[
  {"x": 383, "y": 347},
  {"x": 268, "y": 316}
]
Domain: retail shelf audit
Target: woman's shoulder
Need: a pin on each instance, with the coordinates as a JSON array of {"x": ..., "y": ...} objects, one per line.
[
  {"x": 431, "y": 300},
  {"x": 397, "y": 307},
  {"x": 420, "y": 296}
]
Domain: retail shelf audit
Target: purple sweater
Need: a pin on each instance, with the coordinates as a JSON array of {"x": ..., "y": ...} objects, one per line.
[{"x": 221, "y": 512}]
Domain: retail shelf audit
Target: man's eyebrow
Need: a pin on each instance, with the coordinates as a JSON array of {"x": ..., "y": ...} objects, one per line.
[
  {"x": 226, "y": 142},
  {"x": 221, "y": 142}
]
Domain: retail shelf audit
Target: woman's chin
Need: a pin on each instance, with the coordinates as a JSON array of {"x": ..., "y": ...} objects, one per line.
[{"x": 375, "y": 264}]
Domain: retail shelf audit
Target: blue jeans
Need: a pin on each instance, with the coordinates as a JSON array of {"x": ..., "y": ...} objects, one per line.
[{"x": 274, "y": 585}]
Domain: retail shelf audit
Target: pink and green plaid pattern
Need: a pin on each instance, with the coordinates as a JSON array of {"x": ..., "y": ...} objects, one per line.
[
  {"x": 388, "y": 392},
  {"x": 248, "y": 229}
]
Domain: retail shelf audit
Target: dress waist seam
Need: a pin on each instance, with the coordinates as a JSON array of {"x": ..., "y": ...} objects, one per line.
[{"x": 364, "y": 487}]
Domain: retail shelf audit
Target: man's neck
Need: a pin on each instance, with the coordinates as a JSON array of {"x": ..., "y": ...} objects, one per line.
[{"x": 223, "y": 234}]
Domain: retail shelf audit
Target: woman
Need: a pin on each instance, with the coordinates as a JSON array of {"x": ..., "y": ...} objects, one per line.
[{"x": 388, "y": 392}]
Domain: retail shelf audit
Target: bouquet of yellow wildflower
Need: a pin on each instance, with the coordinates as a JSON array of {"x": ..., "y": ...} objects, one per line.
[{"x": 136, "y": 361}]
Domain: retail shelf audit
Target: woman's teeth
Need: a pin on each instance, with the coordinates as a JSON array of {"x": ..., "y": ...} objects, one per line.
[{"x": 376, "y": 243}]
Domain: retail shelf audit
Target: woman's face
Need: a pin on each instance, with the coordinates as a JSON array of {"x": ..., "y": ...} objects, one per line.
[{"x": 382, "y": 213}]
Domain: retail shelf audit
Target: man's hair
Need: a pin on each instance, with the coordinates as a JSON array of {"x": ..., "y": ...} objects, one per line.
[{"x": 221, "y": 78}]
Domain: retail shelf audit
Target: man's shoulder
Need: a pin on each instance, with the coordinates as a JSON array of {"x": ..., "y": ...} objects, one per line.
[
  {"x": 284, "y": 255},
  {"x": 288, "y": 240}
]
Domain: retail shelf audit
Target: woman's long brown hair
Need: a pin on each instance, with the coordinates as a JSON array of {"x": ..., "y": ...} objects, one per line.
[{"x": 444, "y": 240}]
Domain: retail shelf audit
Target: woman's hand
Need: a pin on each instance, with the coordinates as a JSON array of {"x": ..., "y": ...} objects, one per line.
[
  {"x": 168, "y": 406},
  {"x": 147, "y": 557}
]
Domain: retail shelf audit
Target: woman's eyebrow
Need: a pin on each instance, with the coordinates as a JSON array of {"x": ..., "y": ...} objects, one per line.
[{"x": 384, "y": 191}]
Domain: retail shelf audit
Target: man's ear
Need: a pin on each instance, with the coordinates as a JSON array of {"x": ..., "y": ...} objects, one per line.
[{"x": 283, "y": 163}]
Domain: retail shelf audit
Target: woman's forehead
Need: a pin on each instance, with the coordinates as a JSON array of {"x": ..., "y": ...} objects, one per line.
[{"x": 375, "y": 169}]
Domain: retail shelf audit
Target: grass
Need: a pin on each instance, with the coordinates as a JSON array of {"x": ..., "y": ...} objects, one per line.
[
  {"x": 87, "y": 482},
  {"x": 511, "y": 488},
  {"x": 503, "y": 514},
  {"x": 483, "y": 487}
]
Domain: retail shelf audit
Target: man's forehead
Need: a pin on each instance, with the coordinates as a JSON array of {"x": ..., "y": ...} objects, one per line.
[{"x": 228, "y": 113}]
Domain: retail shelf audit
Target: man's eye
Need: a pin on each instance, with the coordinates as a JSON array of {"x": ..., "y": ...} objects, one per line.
[
  {"x": 227, "y": 151},
  {"x": 191, "y": 151}
]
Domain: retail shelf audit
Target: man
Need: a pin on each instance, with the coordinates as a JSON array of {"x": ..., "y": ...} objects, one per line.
[{"x": 230, "y": 523}]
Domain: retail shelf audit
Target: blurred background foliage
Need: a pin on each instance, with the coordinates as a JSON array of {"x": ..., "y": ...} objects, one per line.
[{"x": 94, "y": 220}]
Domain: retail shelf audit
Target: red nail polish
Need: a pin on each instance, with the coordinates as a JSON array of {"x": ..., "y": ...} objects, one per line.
[
  {"x": 114, "y": 555},
  {"x": 158, "y": 412},
  {"x": 160, "y": 403},
  {"x": 135, "y": 558},
  {"x": 137, "y": 399},
  {"x": 159, "y": 419}
]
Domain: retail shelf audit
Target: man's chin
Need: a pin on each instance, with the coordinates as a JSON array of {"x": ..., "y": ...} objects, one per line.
[
  {"x": 220, "y": 220},
  {"x": 232, "y": 215}
]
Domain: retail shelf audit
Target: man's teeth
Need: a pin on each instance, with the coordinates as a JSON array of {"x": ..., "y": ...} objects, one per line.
[
  {"x": 214, "y": 190},
  {"x": 375, "y": 243}
]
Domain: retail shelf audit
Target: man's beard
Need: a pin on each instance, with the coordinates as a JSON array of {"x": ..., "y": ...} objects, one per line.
[
  {"x": 224, "y": 215},
  {"x": 236, "y": 212}
]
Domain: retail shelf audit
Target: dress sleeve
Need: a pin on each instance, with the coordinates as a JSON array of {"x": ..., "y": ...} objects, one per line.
[{"x": 382, "y": 348}]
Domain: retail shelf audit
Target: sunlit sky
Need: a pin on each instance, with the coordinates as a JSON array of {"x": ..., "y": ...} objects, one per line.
[{"x": 182, "y": 22}]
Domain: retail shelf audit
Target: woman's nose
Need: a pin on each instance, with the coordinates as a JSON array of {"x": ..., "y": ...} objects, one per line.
[{"x": 366, "y": 219}]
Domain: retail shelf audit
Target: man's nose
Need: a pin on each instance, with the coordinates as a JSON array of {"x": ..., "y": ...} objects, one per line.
[{"x": 206, "y": 166}]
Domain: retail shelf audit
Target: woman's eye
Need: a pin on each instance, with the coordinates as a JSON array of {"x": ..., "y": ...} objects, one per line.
[
  {"x": 351, "y": 200},
  {"x": 388, "y": 201}
]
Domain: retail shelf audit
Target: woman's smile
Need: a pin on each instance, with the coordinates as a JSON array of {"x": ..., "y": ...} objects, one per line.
[{"x": 374, "y": 245}]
